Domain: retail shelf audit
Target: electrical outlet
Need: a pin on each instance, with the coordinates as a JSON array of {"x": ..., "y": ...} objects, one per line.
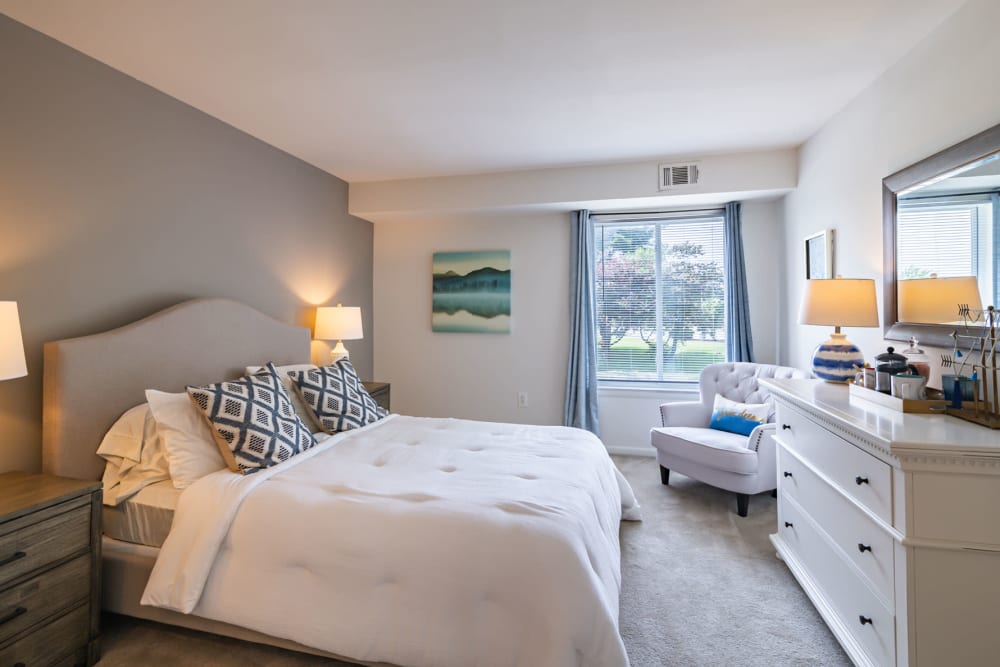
[{"x": 522, "y": 399}]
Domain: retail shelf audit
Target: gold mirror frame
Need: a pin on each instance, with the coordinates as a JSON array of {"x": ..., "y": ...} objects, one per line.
[{"x": 971, "y": 150}]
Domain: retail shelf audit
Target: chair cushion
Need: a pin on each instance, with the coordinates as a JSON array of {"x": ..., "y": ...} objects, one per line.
[{"x": 709, "y": 447}]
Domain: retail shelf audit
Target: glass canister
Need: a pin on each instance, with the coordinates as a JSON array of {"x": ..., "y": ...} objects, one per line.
[{"x": 918, "y": 359}]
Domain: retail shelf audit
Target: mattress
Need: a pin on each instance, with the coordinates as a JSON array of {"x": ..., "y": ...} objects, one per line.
[{"x": 145, "y": 518}]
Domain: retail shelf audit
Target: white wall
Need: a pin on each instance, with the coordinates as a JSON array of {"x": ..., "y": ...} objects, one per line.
[
  {"x": 942, "y": 92},
  {"x": 477, "y": 376}
]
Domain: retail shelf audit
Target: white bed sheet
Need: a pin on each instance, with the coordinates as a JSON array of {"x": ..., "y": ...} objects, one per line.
[
  {"x": 145, "y": 518},
  {"x": 419, "y": 542}
]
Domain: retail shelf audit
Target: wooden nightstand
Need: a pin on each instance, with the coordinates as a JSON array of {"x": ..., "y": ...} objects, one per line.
[
  {"x": 379, "y": 391},
  {"x": 50, "y": 564}
]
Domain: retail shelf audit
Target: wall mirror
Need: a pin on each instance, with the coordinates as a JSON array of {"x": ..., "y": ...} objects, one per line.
[{"x": 941, "y": 216}]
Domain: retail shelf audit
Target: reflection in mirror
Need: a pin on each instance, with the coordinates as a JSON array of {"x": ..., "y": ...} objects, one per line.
[
  {"x": 949, "y": 226},
  {"x": 948, "y": 216}
]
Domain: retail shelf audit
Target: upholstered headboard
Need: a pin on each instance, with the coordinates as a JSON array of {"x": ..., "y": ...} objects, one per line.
[{"x": 90, "y": 381}]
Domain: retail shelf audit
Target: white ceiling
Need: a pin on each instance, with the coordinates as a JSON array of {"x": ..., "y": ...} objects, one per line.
[{"x": 385, "y": 89}]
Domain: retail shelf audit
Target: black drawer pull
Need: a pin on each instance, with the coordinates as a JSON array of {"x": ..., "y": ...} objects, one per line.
[
  {"x": 17, "y": 555},
  {"x": 786, "y": 427},
  {"x": 865, "y": 620},
  {"x": 788, "y": 474},
  {"x": 14, "y": 614},
  {"x": 859, "y": 480},
  {"x": 788, "y": 525},
  {"x": 863, "y": 547}
]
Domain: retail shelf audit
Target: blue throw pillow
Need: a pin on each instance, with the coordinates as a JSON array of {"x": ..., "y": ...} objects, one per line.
[
  {"x": 252, "y": 420},
  {"x": 736, "y": 417}
]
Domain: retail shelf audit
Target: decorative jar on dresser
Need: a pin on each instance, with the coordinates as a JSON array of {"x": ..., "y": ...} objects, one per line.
[
  {"x": 50, "y": 560},
  {"x": 891, "y": 524}
]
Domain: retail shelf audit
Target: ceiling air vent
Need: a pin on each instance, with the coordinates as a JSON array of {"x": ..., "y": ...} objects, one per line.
[{"x": 678, "y": 175}]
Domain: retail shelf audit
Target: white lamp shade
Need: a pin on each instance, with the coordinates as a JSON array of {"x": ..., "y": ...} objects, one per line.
[
  {"x": 338, "y": 323},
  {"x": 12, "y": 364},
  {"x": 840, "y": 302},
  {"x": 935, "y": 300}
]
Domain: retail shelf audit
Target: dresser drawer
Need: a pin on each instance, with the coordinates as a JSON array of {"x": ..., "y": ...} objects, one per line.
[
  {"x": 32, "y": 543},
  {"x": 857, "y": 473},
  {"x": 846, "y": 593},
  {"x": 48, "y": 645},
  {"x": 864, "y": 542},
  {"x": 33, "y": 601}
]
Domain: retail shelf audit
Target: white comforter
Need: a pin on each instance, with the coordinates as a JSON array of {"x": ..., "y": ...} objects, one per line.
[{"x": 418, "y": 542}]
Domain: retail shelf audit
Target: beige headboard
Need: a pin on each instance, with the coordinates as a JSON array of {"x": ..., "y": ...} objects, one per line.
[{"x": 90, "y": 381}]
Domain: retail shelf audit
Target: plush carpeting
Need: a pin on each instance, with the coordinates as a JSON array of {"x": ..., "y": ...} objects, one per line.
[{"x": 701, "y": 586}]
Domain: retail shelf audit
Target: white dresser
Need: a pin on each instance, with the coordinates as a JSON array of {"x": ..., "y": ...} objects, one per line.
[{"x": 891, "y": 524}]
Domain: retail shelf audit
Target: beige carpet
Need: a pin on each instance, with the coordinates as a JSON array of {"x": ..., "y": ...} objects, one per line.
[{"x": 701, "y": 586}]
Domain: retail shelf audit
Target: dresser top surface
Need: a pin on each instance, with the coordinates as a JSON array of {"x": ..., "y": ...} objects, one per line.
[{"x": 899, "y": 432}]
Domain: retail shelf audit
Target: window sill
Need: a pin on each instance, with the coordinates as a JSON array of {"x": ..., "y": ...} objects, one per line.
[{"x": 650, "y": 389}]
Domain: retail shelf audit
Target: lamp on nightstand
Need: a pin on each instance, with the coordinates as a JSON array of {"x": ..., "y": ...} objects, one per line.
[
  {"x": 839, "y": 302},
  {"x": 12, "y": 364},
  {"x": 338, "y": 323}
]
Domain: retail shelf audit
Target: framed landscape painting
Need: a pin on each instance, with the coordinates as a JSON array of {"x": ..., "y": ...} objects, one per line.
[{"x": 471, "y": 292}]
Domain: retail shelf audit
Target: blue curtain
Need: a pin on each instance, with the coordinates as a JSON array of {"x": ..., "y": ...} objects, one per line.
[
  {"x": 581, "y": 375},
  {"x": 739, "y": 341}
]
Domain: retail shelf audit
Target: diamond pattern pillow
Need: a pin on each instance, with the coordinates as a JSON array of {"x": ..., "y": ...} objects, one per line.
[
  {"x": 336, "y": 397},
  {"x": 252, "y": 420}
]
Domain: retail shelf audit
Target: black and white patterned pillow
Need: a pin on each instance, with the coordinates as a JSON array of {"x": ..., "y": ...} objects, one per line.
[
  {"x": 252, "y": 420},
  {"x": 336, "y": 397}
]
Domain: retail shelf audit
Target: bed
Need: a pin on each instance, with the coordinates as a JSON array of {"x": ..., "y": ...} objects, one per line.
[{"x": 443, "y": 541}]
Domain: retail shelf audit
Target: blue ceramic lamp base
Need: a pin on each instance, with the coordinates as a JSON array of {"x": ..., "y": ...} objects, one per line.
[{"x": 837, "y": 359}]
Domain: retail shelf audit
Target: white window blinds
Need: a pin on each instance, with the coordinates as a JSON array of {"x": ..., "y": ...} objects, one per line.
[
  {"x": 940, "y": 237},
  {"x": 660, "y": 297}
]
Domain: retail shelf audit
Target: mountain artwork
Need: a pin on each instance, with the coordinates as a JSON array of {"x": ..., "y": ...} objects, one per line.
[{"x": 471, "y": 292}]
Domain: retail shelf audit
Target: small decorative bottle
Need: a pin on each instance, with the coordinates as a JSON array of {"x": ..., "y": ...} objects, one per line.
[{"x": 917, "y": 358}]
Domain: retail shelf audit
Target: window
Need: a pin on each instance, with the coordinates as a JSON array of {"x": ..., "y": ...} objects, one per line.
[
  {"x": 659, "y": 288},
  {"x": 947, "y": 235}
]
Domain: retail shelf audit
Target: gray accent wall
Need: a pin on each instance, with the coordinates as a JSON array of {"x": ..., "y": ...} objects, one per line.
[{"x": 117, "y": 200}]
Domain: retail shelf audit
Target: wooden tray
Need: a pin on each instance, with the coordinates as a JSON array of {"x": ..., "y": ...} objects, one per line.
[{"x": 935, "y": 403}]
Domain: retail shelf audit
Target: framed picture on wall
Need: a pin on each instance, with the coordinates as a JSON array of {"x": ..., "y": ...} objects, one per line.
[{"x": 819, "y": 255}]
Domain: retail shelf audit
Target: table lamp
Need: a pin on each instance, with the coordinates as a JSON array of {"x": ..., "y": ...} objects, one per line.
[
  {"x": 338, "y": 323},
  {"x": 936, "y": 300},
  {"x": 12, "y": 364},
  {"x": 839, "y": 302}
]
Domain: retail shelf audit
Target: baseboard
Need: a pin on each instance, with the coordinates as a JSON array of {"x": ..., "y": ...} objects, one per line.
[{"x": 631, "y": 451}]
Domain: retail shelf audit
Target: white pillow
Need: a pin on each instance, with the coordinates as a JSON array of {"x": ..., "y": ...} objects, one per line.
[
  {"x": 188, "y": 442},
  {"x": 304, "y": 413},
  {"x": 134, "y": 455}
]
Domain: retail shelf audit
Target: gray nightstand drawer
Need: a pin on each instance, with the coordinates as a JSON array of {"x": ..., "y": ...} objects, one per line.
[
  {"x": 44, "y": 538},
  {"x": 48, "y": 645},
  {"x": 43, "y": 596}
]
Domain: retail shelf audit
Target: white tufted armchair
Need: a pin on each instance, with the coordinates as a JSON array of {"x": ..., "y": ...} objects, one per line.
[{"x": 738, "y": 463}]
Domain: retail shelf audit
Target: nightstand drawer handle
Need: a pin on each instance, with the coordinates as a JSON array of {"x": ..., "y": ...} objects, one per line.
[
  {"x": 865, "y": 620},
  {"x": 788, "y": 474},
  {"x": 859, "y": 480},
  {"x": 14, "y": 614},
  {"x": 863, "y": 547},
  {"x": 788, "y": 524},
  {"x": 17, "y": 555},
  {"x": 786, "y": 427}
]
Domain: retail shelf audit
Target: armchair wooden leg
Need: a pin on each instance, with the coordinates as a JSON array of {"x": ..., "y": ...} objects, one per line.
[
  {"x": 774, "y": 493},
  {"x": 742, "y": 503},
  {"x": 664, "y": 475}
]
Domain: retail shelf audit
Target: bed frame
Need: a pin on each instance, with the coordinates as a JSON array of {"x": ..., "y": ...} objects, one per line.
[{"x": 90, "y": 381}]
